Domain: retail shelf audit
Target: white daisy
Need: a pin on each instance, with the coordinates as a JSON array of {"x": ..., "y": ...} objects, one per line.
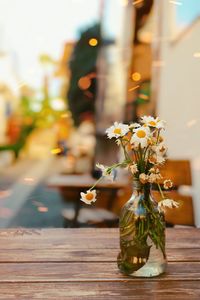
[
  {"x": 153, "y": 177},
  {"x": 140, "y": 137},
  {"x": 167, "y": 184},
  {"x": 153, "y": 122},
  {"x": 168, "y": 203},
  {"x": 160, "y": 159},
  {"x": 154, "y": 170},
  {"x": 117, "y": 130},
  {"x": 133, "y": 168},
  {"x": 161, "y": 124},
  {"x": 143, "y": 178},
  {"x": 160, "y": 149},
  {"x": 118, "y": 142},
  {"x": 106, "y": 172},
  {"x": 89, "y": 197},
  {"x": 134, "y": 125},
  {"x": 156, "y": 159}
]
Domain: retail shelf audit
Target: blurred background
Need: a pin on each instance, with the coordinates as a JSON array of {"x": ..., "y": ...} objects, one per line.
[{"x": 68, "y": 70}]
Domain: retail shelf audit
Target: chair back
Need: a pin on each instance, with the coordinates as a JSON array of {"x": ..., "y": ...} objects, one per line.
[{"x": 179, "y": 171}]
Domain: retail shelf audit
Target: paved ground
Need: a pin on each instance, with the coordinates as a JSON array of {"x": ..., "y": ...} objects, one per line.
[{"x": 24, "y": 199}]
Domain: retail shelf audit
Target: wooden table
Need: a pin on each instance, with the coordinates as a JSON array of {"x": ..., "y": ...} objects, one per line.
[
  {"x": 81, "y": 264},
  {"x": 81, "y": 183}
]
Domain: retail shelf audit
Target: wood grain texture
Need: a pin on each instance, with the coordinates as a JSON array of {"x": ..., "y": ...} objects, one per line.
[
  {"x": 146, "y": 289},
  {"x": 84, "y": 272},
  {"x": 81, "y": 264},
  {"x": 58, "y": 254},
  {"x": 87, "y": 238}
]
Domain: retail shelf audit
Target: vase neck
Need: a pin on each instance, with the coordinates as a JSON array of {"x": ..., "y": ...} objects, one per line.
[
  {"x": 139, "y": 188},
  {"x": 137, "y": 185}
]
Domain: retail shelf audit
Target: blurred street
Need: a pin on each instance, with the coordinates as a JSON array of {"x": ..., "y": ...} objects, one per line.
[{"x": 24, "y": 199}]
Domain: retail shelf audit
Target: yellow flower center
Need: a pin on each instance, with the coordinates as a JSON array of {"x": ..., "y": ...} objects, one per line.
[
  {"x": 141, "y": 134},
  {"x": 152, "y": 123},
  {"x": 117, "y": 131},
  {"x": 89, "y": 196}
]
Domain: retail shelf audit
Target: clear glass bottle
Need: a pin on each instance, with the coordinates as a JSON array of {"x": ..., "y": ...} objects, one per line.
[{"x": 142, "y": 235}]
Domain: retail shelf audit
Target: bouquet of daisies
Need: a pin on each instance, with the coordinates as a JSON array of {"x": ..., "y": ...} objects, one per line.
[{"x": 144, "y": 153}]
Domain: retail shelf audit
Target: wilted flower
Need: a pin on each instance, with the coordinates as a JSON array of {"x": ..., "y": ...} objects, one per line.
[
  {"x": 160, "y": 160},
  {"x": 168, "y": 203},
  {"x": 106, "y": 172},
  {"x": 156, "y": 159},
  {"x": 154, "y": 170},
  {"x": 154, "y": 177},
  {"x": 167, "y": 184},
  {"x": 159, "y": 149},
  {"x": 133, "y": 168},
  {"x": 143, "y": 178},
  {"x": 89, "y": 197}
]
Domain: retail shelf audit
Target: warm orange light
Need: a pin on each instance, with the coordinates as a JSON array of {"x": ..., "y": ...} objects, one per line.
[
  {"x": 191, "y": 123},
  {"x": 196, "y": 55},
  {"x": 136, "y": 76},
  {"x": 124, "y": 2},
  {"x": 28, "y": 179},
  {"x": 42, "y": 209},
  {"x": 136, "y": 2},
  {"x": 144, "y": 97},
  {"x": 93, "y": 42},
  {"x": 134, "y": 88},
  {"x": 56, "y": 151},
  {"x": 84, "y": 83}
]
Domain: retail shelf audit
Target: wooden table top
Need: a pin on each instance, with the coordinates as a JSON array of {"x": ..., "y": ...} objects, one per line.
[
  {"x": 83, "y": 181},
  {"x": 81, "y": 264}
]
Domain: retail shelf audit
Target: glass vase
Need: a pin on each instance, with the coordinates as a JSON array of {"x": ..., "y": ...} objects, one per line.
[{"x": 142, "y": 235}]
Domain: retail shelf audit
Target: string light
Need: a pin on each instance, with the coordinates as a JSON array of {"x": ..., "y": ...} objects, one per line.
[
  {"x": 93, "y": 42},
  {"x": 136, "y": 76}
]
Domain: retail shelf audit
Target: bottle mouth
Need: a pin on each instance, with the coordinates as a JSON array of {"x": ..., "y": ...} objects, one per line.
[{"x": 137, "y": 185}]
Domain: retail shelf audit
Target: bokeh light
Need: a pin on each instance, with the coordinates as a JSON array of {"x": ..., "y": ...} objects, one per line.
[
  {"x": 84, "y": 83},
  {"x": 43, "y": 209},
  {"x": 136, "y": 76},
  {"x": 56, "y": 151},
  {"x": 196, "y": 55},
  {"x": 93, "y": 42}
]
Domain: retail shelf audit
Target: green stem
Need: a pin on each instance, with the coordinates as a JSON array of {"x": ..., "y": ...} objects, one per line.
[
  {"x": 125, "y": 153},
  {"x": 96, "y": 183},
  {"x": 160, "y": 190}
]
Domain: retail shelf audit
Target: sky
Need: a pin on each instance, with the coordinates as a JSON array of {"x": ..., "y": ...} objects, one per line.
[{"x": 30, "y": 27}]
